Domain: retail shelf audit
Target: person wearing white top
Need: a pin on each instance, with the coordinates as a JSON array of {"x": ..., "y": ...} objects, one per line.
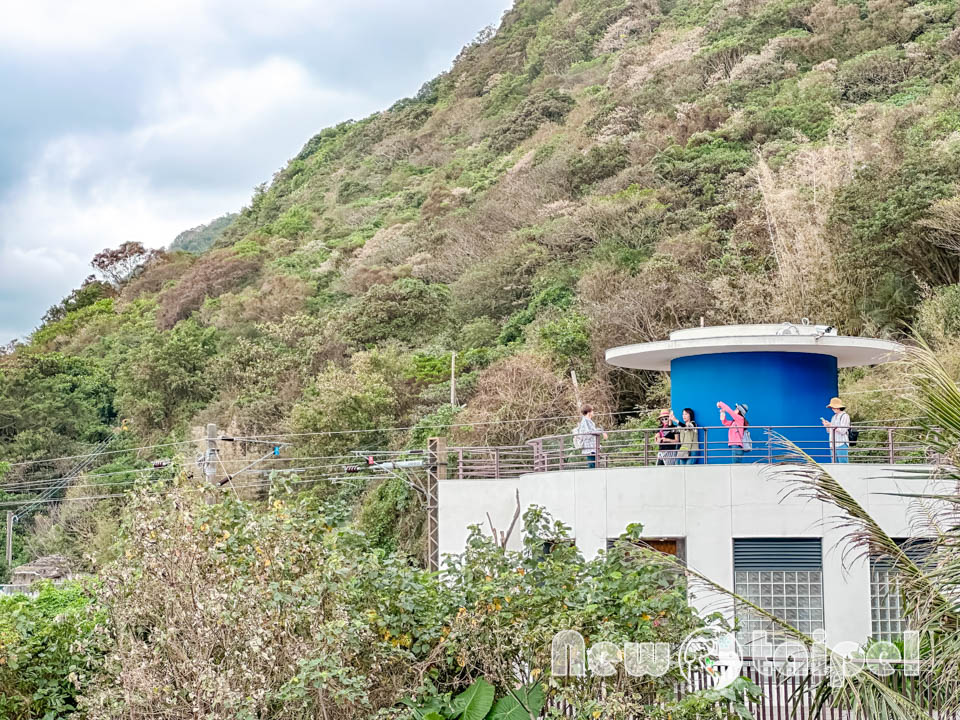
[
  {"x": 585, "y": 436},
  {"x": 838, "y": 428}
]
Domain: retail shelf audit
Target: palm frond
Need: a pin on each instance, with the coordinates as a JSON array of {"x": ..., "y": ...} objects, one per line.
[{"x": 863, "y": 694}]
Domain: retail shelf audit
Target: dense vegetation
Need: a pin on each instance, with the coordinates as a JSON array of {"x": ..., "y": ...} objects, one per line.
[
  {"x": 236, "y": 611},
  {"x": 201, "y": 238},
  {"x": 593, "y": 172}
]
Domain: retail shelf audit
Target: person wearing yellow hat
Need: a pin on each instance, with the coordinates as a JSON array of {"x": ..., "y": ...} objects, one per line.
[{"x": 838, "y": 428}]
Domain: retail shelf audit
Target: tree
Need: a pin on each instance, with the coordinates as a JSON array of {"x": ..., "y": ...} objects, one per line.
[
  {"x": 117, "y": 265},
  {"x": 88, "y": 293},
  {"x": 165, "y": 381}
]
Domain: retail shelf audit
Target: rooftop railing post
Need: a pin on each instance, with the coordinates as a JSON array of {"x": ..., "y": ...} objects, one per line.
[
  {"x": 890, "y": 452},
  {"x": 833, "y": 444},
  {"x": 769, "y": 432},
  {"x": 460, "y": 464},
  {"x": 596, "y": 450},
  {"x": 706, "y": 444},
  {"x": 646, "y": 448},
  {"x": 496, "y": 463}
]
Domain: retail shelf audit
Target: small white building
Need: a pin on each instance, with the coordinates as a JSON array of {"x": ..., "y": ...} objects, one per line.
[{"x": 732, "y": 522}]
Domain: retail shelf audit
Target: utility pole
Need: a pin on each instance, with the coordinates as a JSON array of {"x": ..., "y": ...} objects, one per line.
[
  {"x": 576, "y": 389},
  {"x": 9, "y": 539},
  {"x": 436, "y": 471},
  {"x": 212, "y": 455},
  {"x": 453, "y": 379}
]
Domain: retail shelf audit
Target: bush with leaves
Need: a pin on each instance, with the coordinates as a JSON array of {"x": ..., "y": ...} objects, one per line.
[
  {"x": 407, "y": 310},
  {"x": 546, "y": 106},
  {"x": 223, "y": 611},
  {"x": 509, "y": 397},
  {"x": 51, "y": 647},
  {"x": 347, "y": 409},
  {"x": 164, "y": 383},
  {"x": 211, "y": 276}
]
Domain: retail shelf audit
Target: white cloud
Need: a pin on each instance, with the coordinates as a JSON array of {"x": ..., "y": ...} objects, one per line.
[
  {"x": 96, "y": 190},
  {"x": 137, "y": 120}
]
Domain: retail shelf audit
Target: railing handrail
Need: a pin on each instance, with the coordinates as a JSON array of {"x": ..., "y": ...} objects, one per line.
[
  {"x": 857, "y": 426},
  {"x": 632, "y": 447}
]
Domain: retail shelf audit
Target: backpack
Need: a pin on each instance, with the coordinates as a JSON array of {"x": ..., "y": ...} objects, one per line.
[
  {"x": 852, "y": 436},
  {"x": 747, "y": 441}
]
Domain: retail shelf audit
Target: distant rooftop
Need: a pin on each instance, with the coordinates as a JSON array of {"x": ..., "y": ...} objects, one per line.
[{"x": 784, "y": 337}]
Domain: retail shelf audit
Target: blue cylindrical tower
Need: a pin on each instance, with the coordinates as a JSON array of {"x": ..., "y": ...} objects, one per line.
[{"x": 786, "y": 374}]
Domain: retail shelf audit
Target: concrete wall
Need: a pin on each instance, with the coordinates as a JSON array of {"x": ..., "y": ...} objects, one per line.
[{"x": 708, "y": 505}]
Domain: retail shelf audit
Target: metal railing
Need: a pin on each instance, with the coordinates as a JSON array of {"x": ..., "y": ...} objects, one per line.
[
  {"x": 645, "y": 447},
  {"x": 793, "y": 697}
]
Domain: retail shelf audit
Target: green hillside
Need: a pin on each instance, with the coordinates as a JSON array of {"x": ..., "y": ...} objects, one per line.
[
  {"x": 588, "y": 174},
  {"x": 202, "y": 237},
  {"x": 592, "y": 173}
]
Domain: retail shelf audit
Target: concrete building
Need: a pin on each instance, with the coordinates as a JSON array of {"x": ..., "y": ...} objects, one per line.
[{"x": 731, "y": 522}]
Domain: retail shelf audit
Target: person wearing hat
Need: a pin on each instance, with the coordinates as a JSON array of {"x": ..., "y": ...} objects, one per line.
[
  {"x": 838, "y": 428},
  {"x": 667, "y": 439},
  {"x": 736, "y": 426}
]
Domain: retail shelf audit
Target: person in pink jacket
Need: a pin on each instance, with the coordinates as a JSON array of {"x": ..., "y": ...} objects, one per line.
[{"x": 735, "y": 427}]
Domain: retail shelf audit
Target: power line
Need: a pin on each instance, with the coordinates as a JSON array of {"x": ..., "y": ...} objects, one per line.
[
  {"x": 345, "y": 462},
  {"x": 110, "y": 452},
  {"x": 27, "y": 486},
  {"x": 260, "y": 484},
  {"x": 435, "y": 425}
]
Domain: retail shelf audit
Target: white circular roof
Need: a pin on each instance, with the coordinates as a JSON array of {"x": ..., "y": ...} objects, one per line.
[{"x": 799, "y": 338}]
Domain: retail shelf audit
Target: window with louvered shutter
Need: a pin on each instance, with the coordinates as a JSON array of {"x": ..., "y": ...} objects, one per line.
[{"x": 784, "y": 576}]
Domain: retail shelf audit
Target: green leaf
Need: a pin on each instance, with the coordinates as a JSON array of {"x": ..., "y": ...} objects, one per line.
[
  {"x": 475, "y": 702},
  {"x": 508, "y": 708},
  {"x": 433, "y": 716}
]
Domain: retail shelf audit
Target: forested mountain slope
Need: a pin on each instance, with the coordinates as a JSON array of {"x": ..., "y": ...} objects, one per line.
[{"x": 592, "y": 173}]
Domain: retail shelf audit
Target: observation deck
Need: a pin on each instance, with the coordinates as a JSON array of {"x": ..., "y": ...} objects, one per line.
[
  {"x": 726, "y": 514},
  {"x": 786, "y": 374}
]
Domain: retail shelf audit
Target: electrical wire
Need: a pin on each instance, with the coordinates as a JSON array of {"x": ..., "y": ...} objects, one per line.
[
  {"x": 250, "y": 438},
  {"x": 125, "y": 483},
  {"x": 110, "y": 452},
  {"x": 265, "y": 483}
]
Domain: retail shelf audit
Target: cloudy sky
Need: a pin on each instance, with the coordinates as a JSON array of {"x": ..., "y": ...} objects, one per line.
[{"x": 136, "y": 120}]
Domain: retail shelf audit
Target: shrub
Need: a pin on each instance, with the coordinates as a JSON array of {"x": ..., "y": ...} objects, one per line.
[
  {"x": 510, "y": 394},
  {"x": 71, "y": 323},
  {"x": 436, "y": 424},
  {"x": 938, "y": 317},
  {"x": 405, "y": 311},
  {"x": 90, "y": 292},
  {"x": 704, "y": 164},
  {"x": 600, "y": 162},
  {"x": 478, "y": 333},
  {"x": 873, "y": 75},
  {"x": 338, "y": 400},
  {"x": 293, "y": 223},
  {"x": 211, "y": 276},
  {"x": 51, "y": 649},
  {"x": 392, "y": 517},
  {"x": 553, "y": 295},
  {"x": 164, "y": 381},
  {"x": 568, "y": 339},
  {"x": 499, "y": 284},
  {"x": 547, "y": 106},
  {"x": 157, "y": 274},
  {"x": 262, "y": 613},
  {"x": 351, "y": 190}
]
